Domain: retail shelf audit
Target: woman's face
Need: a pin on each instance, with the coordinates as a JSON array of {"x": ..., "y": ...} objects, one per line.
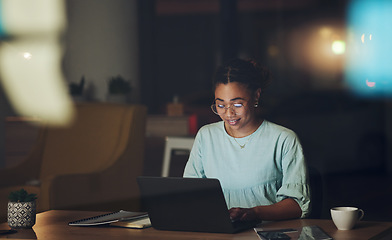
[{"x": 239, "y": 121}]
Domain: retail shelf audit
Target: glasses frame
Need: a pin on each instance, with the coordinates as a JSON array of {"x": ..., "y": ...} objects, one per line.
[{"x": 213, "y": 106}]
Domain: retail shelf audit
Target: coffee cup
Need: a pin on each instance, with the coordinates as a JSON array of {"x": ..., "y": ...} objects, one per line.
[{"x": 345, "y": 218}]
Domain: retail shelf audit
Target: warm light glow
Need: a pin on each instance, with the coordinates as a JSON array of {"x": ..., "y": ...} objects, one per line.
[
  {"x": 323, "y": 48},
  {"x": 325, "y": 32},
  {"x": 338, "y": 47},
  {"x": 27, "y": 55}
]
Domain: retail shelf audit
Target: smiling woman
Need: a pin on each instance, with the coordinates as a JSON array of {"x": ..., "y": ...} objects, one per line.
[{"x": 260, "y": 164}]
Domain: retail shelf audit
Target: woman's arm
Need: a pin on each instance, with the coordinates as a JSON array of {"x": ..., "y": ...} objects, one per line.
[{"x": 285, "y": 209}]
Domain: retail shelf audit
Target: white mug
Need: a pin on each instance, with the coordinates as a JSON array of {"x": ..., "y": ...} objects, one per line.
[{"x": 345, "y": 218}]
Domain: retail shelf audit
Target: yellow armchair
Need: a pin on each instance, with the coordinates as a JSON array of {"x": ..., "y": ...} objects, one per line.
[{"x": 91, "y": 164}]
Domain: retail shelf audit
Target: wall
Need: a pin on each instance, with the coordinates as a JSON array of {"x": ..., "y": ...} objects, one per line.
[{"x": 101, "y": 42}]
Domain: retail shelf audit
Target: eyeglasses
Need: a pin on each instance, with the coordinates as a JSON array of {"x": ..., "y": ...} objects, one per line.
[{"x": 236, "y": 108}]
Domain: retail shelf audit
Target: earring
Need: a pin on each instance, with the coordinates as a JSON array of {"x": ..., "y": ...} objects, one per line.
[{"x": 256, "y": 104}]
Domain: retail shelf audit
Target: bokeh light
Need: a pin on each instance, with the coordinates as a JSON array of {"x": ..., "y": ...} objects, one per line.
[
  {"x": 338, "y": 47},
  {"x": 368, "y": 69},
  {"x": 27, "y": 55}
]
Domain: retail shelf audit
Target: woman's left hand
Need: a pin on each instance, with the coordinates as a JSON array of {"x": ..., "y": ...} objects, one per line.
[{"x": 243, "y": 214}]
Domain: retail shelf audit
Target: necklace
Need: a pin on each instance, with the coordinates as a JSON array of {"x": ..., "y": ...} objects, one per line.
[
  {"x": 243, "y": 145},
  {"x": 250, "y": 137}
]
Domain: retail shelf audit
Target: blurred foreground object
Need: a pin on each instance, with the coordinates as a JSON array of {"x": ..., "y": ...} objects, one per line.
[
  {"x": 369, "y": 48},
  {"x": 30, "y": 59}
]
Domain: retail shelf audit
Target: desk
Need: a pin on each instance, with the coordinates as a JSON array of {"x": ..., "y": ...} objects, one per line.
[{"x": 53, "y": 225}]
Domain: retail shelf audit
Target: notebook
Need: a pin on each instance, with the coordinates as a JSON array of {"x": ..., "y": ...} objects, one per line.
[
  {"x": 110, "y": 218},
  {"x": 188, "y": 204}
]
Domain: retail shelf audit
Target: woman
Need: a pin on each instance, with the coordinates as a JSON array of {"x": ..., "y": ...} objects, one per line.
[{"x": 260, "y": 165}]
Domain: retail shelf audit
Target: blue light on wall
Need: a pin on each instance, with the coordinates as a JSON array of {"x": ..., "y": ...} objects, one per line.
[{"x": 368, "y": 69}]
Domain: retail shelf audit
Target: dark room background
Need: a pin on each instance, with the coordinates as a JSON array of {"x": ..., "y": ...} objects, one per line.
[
  {"x": 175, "y": 45},
  {"x": 345, "y": 137}
]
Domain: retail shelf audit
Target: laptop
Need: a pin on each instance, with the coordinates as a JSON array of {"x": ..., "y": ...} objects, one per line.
[{"x": 188, "y": 204}]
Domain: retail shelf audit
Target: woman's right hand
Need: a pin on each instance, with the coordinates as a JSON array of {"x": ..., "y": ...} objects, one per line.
[{"x": 243, "y": 214}]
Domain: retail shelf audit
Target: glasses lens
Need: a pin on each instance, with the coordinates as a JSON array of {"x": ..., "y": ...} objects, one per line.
[{"x": 237, "y": 109}]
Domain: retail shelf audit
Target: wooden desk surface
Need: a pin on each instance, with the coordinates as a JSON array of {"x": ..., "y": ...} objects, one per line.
[{"x": 53, "y": 225}]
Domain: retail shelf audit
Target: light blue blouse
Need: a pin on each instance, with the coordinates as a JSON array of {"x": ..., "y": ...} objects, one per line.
[{"x": 270, "y": 168}]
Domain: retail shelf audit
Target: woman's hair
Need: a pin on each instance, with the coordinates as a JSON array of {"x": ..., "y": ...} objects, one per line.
[{"x": 246, "y": 72}]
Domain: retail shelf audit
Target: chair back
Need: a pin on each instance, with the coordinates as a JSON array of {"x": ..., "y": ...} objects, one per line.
[{"x": 92, "y": 142}]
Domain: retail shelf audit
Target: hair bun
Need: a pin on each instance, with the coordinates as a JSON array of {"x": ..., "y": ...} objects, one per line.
[{"x": 248, "y": 72}]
